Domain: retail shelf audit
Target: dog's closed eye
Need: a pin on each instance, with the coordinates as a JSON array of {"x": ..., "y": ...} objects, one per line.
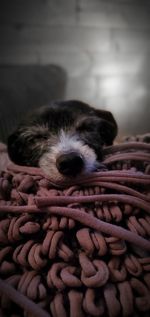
[{"x": 92, "y": 124}]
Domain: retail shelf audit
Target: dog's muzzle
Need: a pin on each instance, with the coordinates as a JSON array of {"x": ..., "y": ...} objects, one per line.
[{"x": 70, "y": 164}]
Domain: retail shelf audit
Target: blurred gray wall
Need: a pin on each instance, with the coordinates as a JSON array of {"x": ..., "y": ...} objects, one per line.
[{"x": 102, "y": 45}]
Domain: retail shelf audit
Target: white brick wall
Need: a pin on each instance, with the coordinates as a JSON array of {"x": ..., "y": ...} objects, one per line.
[{"x": 103, "y": 45}]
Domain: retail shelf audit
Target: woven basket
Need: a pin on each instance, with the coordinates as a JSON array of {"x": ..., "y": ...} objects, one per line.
[{"x": 79, "y": 249}]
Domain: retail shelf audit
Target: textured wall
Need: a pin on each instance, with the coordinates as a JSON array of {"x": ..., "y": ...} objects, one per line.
[{"x": 102, "y": 45}]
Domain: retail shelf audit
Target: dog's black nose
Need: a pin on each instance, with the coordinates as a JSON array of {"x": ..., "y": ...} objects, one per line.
[{"x": 69, "y": 164}]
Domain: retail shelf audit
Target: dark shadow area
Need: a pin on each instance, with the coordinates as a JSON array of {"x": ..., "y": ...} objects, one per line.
[{"x": 23, "y": 88}]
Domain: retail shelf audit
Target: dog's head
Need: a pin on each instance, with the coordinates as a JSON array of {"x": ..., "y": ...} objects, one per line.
[{"x": 65, "y": 139}]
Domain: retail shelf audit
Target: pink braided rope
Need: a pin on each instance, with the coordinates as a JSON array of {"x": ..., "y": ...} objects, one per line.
[{"x": 46, "y": 211}]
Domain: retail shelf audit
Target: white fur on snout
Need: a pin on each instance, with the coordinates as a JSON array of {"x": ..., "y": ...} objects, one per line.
[{"x": 67, "y": 143}]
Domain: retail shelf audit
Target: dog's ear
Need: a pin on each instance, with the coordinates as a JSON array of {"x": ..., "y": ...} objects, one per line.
[
  {"x": 108, "y": 126},
  {"x": 15, "y": 147},
  {"x": 26, "y": 144}
]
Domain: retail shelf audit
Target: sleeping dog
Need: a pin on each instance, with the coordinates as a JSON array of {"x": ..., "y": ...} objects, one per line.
[{"x": 64, "y": 138}]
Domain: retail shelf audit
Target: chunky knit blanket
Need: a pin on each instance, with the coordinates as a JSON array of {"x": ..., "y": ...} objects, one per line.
[{"x": 79, "y": 249}]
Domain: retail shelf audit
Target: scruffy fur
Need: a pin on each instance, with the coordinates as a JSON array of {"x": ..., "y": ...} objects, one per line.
[{"x": 62, "y": 127}]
